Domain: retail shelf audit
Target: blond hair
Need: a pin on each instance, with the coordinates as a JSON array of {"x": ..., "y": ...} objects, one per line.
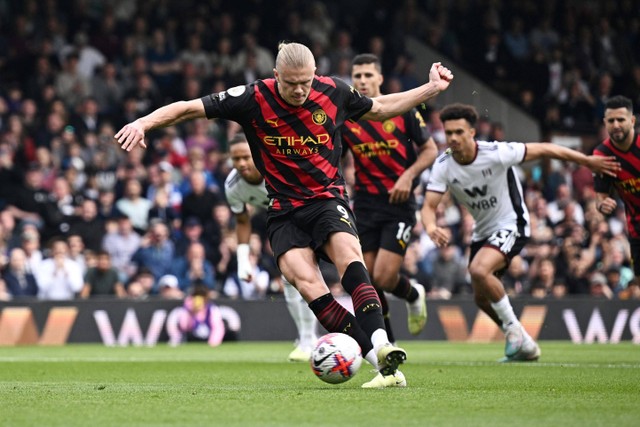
[{"x": 294, "y": 55}]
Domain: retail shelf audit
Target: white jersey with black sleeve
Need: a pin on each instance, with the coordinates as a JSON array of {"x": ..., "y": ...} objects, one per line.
[
  {"x": 240, "y": 193},
  {"x": 488, "y": 187}
]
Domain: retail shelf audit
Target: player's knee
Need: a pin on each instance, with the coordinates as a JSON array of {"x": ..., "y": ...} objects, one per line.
[
  {"x": 478, "y": 273},
  {"x": 385, "y": 280}
]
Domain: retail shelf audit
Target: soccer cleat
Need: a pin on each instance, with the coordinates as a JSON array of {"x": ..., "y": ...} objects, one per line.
[
  {"x": 383, "y": 381},
  {"x": 519, "y": 347},
  {"x": 389, "y": 358},
  {"x": 299, "y": 355},
  {"x": 417, "y": 311}
]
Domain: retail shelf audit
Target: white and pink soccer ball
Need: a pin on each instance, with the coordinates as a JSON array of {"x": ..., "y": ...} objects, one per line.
[{"x": 336, "y": 358}]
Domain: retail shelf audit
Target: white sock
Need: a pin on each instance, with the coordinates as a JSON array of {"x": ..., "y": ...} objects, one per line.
[
  {"x": 372, "y": 358},
  {"x": 293, "y": 298},
  {"x": 307, "y": 327},
  {"x": 378, "y": 339},
  {"x": 504, "y": 310}
]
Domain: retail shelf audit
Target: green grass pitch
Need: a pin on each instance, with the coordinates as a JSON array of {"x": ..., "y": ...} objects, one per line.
[{"x": 251, "y": 384}]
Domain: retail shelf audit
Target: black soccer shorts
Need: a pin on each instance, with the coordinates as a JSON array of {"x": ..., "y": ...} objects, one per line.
[
  {"x": 310, "y": 226},
  {"x": 384, "y": 225}
]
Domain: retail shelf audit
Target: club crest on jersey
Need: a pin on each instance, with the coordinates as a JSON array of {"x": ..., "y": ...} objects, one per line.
[
  {"x": 236, "y": 91},
  {"x": 389, "y": 126},
  {"x": 319, "y": 117}
]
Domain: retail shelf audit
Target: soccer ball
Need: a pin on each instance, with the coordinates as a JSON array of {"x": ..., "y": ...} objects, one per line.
[{"x": 336, "y": 358}]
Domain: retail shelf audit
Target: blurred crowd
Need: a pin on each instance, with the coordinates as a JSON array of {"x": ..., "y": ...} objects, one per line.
[
  {"x": 559, "y": 60},
  {"x": 81, "y": 218}
]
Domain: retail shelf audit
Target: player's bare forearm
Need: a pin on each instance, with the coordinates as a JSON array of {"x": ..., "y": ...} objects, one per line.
[
  {"x": 401, "y": 191},
  {"x": 395, "y": 104},
  {"x": 133, "y": 133},
  {"x": 600, "y": 164},
  {"x": 172, "y": 114},
  {"x": 243, "y": 227},
  {"x": 392, "y": 105}
]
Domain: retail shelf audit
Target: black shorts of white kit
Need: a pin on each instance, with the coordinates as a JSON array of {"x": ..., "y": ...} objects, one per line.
[
  {"x": 310, "y": 226},
  {"x": 509, "y": 243},
  {"x": 382, "y": 225},
  {"x": 635, "y": 255}
]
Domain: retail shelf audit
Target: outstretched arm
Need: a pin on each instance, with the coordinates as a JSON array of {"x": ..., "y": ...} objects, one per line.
[
  {"x": 598, "y": 164},
  {"x": 394, "y": 104},
  {"x": 133, "y": 133}
]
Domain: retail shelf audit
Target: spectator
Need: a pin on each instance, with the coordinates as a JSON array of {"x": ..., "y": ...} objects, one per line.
[
  {"x": 156, "y": 251},
  {"x": 169, "y": 288},
  {"x": 598, "y": 286},
  {"x": 121, "y": 244},
  {"x": 201, "y": 319},
  {"x": 59, "y": 277},
  {"x": 30, "y": 244},
  {"x": 103, "y": 279},
  {"x": 89, "y": 226},
  {"x": 192, "y": 268},
  {"x": 78, "y": 253},
  {"x": 108, "y": 89},
  {"x": 70, "y": 85},
  {"x": 449, "y": 273},
  {"x": 141, "y": 285},
  {"x": 19, "y": 281},
  {"x": 162, "y": 176},
  {"x": 192, "y": 232},
  {"x": 135, "y": 206}
]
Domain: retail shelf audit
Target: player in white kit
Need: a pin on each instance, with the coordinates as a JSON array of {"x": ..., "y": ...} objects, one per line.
[
  {"x": 480, "y": 176},
  {"x": 245, "y": 186}
]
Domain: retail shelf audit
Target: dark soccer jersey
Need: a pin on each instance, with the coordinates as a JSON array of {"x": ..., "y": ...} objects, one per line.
[
  {"x": 382, "y": 151},
  {"x": 627, "y": 183},
  {"x": 296, "y": 149}
]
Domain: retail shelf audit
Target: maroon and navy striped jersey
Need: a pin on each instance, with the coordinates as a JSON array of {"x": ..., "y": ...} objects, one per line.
[
  {"x": 296, "y": 149},
  {"x": 382, "y": 151},
  {"x": 627, "y": 183}
]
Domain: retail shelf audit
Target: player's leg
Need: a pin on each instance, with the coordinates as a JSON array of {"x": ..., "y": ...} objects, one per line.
[
  {"x": 305, "y": 321},
  {"x": 487, "y": 259},
  {"x": 297, "y": 262},
  {"x": 344, "y": 250},
  {"x": 369, "y": 262},
  {"x": 386, "y": 275},
  {"x": 299, "y": 266},
  {"x": 395, "y": 234}
]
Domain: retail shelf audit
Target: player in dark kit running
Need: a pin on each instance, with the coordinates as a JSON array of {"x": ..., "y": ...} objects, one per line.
[
  {"x": 624, "y": 144},
  {"x": 293, "y": 123},
  {"x": 389, "y": 157}
]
